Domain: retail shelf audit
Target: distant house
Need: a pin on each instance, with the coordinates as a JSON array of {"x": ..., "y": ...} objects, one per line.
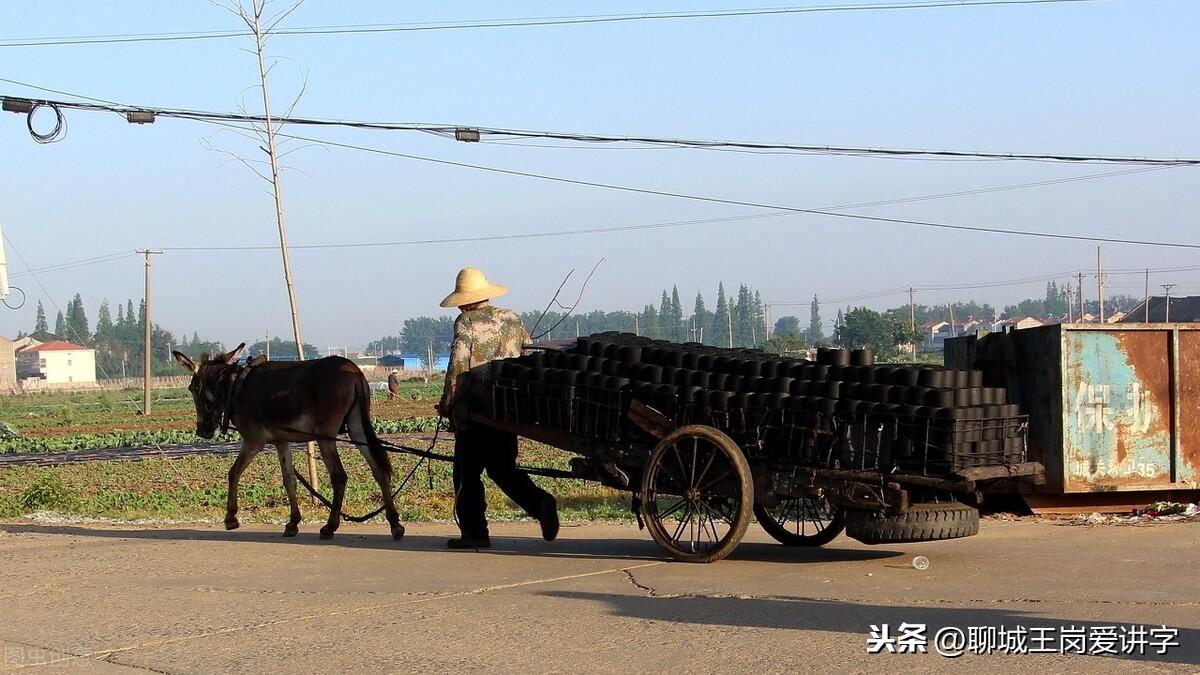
[
  {"x": 392, "y": 361},
  {"x": 935, "y": 333},
  {"x": 1184, "y": 309},
  {"x": 57, "y": 361},
  {"x": 1018, "y": 323},
  {"x": 8, "y": 366}
]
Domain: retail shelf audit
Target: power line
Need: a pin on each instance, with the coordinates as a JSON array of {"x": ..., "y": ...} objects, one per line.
[
  {"x": 653, "y": 226},
  {"x": 529, "y": 22},
  {"x": 739, "y": 202},
  {"x": 449, "y": 131}
]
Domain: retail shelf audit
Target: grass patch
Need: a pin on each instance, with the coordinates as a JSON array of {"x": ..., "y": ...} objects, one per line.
[{"x": 194, "y": 489}]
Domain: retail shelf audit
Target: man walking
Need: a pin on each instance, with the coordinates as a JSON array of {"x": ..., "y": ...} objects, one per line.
[{"x": 483, "y": 333}]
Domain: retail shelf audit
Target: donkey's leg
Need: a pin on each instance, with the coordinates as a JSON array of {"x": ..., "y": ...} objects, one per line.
[
  {"x": 337, "y": 477},
  {"x": 249, "y": 450},
  {"x": 381, "y": 468},
  {"x": 289, "y": 483}
]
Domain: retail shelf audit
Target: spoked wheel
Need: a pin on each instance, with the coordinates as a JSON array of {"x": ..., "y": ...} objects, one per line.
[
  {"x": 802, "y": 521},
  {"x": 697, "y": 494}
]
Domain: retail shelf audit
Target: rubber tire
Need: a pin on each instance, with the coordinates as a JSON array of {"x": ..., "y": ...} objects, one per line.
[
  {"x": 781, "y": 534},
  {"x": 745, "y": 499},
  {"x": 923, "y": 522}
]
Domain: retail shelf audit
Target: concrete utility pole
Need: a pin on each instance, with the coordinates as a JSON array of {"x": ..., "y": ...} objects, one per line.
[
  {"x": 269, "y": 124},
  {"x": 912, "y": 318},
  {"x": 1147, "y": 303},
  {"x": 729, "y": 317},
  {"x": 148, "y": 362},
  {"x": 1167, "y": 304},
  {"x": 268, "y": 344},
  {"x": 1070, "y": 304},
  {"x": 637, "y": 325},
  {"x": 1100, "y": 282},
  {"x": 1079, "y": 279}
]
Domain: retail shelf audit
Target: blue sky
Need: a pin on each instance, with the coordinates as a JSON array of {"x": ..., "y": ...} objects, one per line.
[{"x": 1092, "y": 78}]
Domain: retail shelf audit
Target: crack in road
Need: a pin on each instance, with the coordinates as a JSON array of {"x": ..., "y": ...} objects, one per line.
[{"x": 652, "y": 592}]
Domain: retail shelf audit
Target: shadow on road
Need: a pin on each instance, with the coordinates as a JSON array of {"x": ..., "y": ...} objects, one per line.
[
  {"x": 564, "y": 547},
  {"x": 856, "y": 618}
]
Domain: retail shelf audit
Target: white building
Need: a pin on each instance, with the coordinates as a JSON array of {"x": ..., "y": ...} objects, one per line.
[{"x": 57, "y": 362}]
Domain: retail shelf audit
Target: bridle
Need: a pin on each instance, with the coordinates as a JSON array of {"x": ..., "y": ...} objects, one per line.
[{"x": 225, "y": 393}]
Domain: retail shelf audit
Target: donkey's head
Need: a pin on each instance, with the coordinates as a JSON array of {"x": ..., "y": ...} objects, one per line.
[{"x": 209, "y": 387}]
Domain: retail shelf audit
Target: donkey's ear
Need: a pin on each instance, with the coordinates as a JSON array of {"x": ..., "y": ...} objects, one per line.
[
  {"x": 231, "y": 356},
  {"x": 185, "y": 361}
]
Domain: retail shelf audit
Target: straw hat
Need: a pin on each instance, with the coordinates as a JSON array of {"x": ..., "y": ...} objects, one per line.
[{"x": 471, "y": 287}]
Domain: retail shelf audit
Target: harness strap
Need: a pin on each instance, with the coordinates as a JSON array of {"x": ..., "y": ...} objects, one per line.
[{"x": 235, "y": 390}]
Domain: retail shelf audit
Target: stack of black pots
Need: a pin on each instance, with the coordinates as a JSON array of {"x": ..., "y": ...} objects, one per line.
[{"x": 909, "y": 417}]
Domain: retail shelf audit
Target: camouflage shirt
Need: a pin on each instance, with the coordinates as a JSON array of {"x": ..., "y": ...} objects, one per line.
[{"x": 481, "y": 335}]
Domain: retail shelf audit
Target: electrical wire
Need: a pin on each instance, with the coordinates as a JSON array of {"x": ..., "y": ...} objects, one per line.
[
  {"x": 56, "y": 133},
  {"x": 529, "y": 22},
  {"x": 449, "y": 131},
  {"x": 656, "y": 226},
  {"x": 740, "y": 202}
]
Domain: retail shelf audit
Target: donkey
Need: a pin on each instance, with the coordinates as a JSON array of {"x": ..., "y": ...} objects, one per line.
[{"x": 290, "y": 402}]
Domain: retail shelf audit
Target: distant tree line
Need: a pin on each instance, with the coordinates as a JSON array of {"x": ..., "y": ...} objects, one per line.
[{"x": 119, "y": 342}]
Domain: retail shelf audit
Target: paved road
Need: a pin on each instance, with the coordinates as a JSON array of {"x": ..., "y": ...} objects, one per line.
[{"x": 195, "y": 599}]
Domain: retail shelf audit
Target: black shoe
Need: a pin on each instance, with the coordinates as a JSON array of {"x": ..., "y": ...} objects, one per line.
[
  {"x": 469, "y": 542},
  {"x": 548, "y": 517}
]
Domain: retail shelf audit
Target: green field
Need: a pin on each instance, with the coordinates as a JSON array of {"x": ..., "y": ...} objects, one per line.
[{"x": 194, "y": 488}]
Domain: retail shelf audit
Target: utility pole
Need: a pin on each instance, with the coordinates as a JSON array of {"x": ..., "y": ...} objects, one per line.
[
  {"x": 1079, "y": 279},
  {"x": 912, "y": 319},
  {"x": 1167, "y": 305},
  {"x": 148, "y": 362},
  {"x": 1070, "y": 303},
  {"x": 729, "y": 317},
  {"x": 268, "y": 344},
  {"x": 1147, "y": 303},
  {"x": 269, "y": 124},
  {"x": 1100, "y": 282},
  {"x": 637, "y": 325}
]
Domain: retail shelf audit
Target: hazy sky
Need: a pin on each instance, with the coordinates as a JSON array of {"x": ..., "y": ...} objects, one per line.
[{"x": 1091, "y": 78}]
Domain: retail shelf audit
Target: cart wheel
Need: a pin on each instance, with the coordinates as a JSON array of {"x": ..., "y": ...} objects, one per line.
[
  {"x": 803, "y": 521},
  {"x": 697, "y": 494}
]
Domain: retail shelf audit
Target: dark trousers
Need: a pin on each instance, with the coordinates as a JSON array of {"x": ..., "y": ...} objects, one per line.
[{"x": 479, "y": 448}]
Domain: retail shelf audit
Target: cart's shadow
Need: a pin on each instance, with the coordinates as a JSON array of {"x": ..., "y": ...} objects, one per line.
[
  {"x": 631, "y": 548},
  {"x": 857, "y": 618}
]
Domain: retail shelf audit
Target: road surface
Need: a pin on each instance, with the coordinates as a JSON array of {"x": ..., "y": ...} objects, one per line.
[{"x": 197, "y": 599}]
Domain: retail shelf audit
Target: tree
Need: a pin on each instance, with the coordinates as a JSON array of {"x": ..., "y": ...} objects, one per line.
[
  {"x": 787, "y": 325},
  {"x": 40, "y": 325},
  {"x": 718, "y": 329},
  {"x": 882, "y": 333},
  {"x": 419, "y": 334},
  {"x": 675, "y": 320},
  {"x": 701, "y": 318},
  {"x": 77, "y": 323},
  {"x": 104, "y": 323},
  {"x": 649, "y": 325},
  {"x": 666, "y": 330},
  {"x": 816, "y": 332},
  {"x": 787, "y": 344},
  {"x": 280, "y": 349},
  {"x": 60, "y": 325}
]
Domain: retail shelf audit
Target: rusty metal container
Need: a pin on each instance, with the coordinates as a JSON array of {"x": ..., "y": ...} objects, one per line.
[{"x": 1111, "y": 407}]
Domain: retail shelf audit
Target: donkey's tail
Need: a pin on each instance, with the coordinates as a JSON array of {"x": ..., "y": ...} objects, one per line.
[{"x": 362, "y": 402}]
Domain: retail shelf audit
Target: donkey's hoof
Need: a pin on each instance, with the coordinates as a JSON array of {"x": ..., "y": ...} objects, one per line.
[
  {"x": 397, "y": 532},
  {"x": 290, "y": 530},
  {"x": 232, "y": 524},
  {"x": 326, "y": 533}
]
